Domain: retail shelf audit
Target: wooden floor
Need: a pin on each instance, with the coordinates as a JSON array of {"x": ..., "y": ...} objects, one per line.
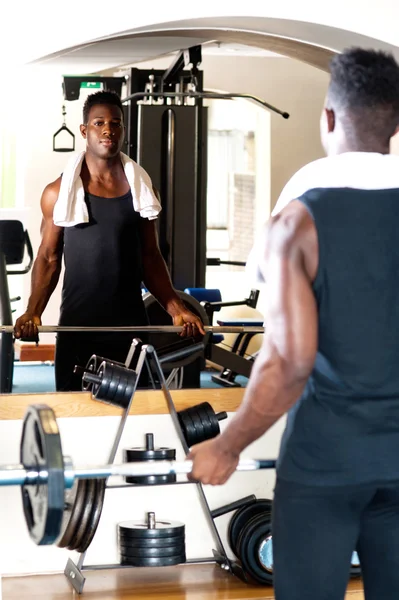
[{"x": 189, "y": 582}]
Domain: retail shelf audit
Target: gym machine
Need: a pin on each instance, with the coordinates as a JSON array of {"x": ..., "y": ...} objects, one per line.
[{"x": 13, "y": 242}]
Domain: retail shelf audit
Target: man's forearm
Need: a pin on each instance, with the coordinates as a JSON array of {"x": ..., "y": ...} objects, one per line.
[
  {"x": 269, "y": 395},
  {"x": 45, "y": 276},
  {"x": 157, "y": 281}
]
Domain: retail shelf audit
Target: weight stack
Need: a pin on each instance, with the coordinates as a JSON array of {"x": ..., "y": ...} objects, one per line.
[
  {"x": 149, "y": 453},
  {"x": 151, "y": 543}
]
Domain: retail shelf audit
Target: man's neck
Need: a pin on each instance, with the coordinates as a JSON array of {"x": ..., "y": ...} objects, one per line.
[{"x": 100, "y": 168}]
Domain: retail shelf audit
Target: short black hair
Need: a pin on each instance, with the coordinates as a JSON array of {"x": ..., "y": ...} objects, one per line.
[
  {"x": 103, "y": 97},
  {"x": 365, "y": 83}
]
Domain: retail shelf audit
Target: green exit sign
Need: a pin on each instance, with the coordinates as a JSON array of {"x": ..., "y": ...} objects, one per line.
[{"x": 90, "y": 84}]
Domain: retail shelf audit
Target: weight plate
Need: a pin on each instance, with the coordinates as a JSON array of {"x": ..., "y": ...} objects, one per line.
[
  {"x": 151, "y": 542},
  {"x": 188, "y": 428},
  {"x": 265, "y": 554},
  {"x": 85, "y": 515},
  {"x": 140, "y": 454},
  {"x": 209, "y": 431},
  {"x": 199, "y": 427},
  {"x": 41, "y": 451},
  {"x": 152, "y": 479},
  {"x": 138, "y": 529},
  {"x": 164, "y": 561},
  {"x": 116, "y": 386},
  {"x": 242, "y": 516},
  {"x": 211, "y": 416},
  {"x": 91, "y": 367},
  {"x": 252, "y": 535},
  {"x": 88, "y": 535},
  {"x": 70, "y": 497},
  {"x": 77, "y": 509},
  {"x": 152, "y": 552}
]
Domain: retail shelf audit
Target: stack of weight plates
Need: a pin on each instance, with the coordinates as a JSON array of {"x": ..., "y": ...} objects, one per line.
[{"x": 151, "y": 543}]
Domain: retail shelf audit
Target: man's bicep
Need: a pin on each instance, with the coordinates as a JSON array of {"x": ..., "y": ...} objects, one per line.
[
  {"x": 291, "y": 310},
  {"x": 52, "y": 235}
]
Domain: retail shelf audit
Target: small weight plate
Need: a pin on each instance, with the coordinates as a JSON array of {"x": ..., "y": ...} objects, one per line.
[
  {"x": 152, "y": 479},
  {"x": 242, "y": 516},
  {"x": 151, "y": 542},
  {"x": 95, "y": 515},
  {"x": 209, "y": 431},
  {"x": 164, "y": 561},
  {"x": 199, "y": 427},
  {"x": 140, "y": 529},
  {"x": 212, "y": 417},
  {"x": 91, "y": 367},
  {"x": 140, "y": 454},
  {"x": 41, "y": 451},
  {"x": 250, "y": 540},
  {"x": 77, "y": 509},
  {"x": 188, "y": 427},
  {"x": 85, "y": 515},
  {"x": 152, "y": 552}
]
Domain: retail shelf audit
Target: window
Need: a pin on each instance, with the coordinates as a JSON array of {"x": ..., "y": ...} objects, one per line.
[{"x": 8, "y": 179}]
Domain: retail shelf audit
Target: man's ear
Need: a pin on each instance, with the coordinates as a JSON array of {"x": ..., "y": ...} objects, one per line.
[
  {"x": 83, "y": 129},
  {"x": 330, "y": 119}
]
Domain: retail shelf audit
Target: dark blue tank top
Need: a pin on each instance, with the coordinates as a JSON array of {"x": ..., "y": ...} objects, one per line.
[
  {"x": 345, "y": 427},
  {"x": 103, "y": 266}
]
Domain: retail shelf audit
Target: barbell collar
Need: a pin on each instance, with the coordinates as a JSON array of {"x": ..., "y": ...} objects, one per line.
[
  {"x": 17, "y": 475},
  {"x": 135, "y": 329}
]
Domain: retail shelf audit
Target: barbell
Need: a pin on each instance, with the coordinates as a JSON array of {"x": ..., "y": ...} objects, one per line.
[
  {"x": 135, "y": 329},
  {"x": 51, "y": 486}
]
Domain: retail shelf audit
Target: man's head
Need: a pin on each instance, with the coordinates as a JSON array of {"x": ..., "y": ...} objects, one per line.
[
  {"x": 103, "y": 127},
  {"x": 361, "y": 111}
]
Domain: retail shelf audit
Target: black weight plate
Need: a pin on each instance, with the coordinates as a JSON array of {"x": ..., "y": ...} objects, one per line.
[
  {"x": 140, "y": 529},
  {"x": 249, "y": 542},
  {"x": 165, "y": 561},
  {"x": 140, "y": 454},
  {"x": 199, "y": 427},
  {"x": 95, "y": 515},
  {"x": 120, "y": 397},
  {"x": 188, "y": 428},
  {"x": 85, "y": 515},
  {"x": 355, "y": 570},
  {"x": 152, "y": 552},
  {"x": 152, "y": 479},
  {"x": 77, "y": 509},
  {"x": 113, "y": 373},
  {"x": 151, "y": 542},
  {"x": 211, "y": 416},
  {"x": 41, "y": 451},
  {"x": 70, "y": 497},
  {"x": 209, "y": 431},
  {"x": 242, "y": 516}
]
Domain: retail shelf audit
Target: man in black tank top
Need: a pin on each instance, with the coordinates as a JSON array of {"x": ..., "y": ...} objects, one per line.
[
  {"x": 106, "y": 258},
  {"x": 330, "y": 354}
]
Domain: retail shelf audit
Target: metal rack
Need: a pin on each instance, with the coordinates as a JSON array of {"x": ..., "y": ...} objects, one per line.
[{"x": 147, "y": 357}]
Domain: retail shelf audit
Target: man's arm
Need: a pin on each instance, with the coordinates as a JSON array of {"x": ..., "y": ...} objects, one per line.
[
  {"x": 46, "y": 268},
  {"x": 288, "y": 351},
  {"x": 157, "y": 280}
]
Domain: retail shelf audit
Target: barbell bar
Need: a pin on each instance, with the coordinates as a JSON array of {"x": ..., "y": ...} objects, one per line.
[
  {"x": 18, "y": 475},
  {"x": 135, "y": 329}
]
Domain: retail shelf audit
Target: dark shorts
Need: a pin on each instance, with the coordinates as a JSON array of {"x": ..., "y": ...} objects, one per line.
[{"x": 316, "y": 530}]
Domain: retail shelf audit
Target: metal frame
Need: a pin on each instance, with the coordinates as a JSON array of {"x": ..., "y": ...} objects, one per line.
[{"x": 148, "y": 356}]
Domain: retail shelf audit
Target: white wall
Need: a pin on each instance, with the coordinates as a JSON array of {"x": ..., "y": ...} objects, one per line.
[{"x": 88, "y": 441}]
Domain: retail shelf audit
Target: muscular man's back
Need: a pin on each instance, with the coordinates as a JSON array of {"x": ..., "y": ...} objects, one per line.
[{"x": 345, "y": 428}]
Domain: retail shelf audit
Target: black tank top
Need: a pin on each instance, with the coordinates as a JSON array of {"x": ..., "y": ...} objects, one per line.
[
  {"x": 345, "y": 427},
  {"x": 103, "y": 266}
]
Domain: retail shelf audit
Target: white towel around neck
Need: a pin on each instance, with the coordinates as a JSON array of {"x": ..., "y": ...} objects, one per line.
[{"x": 70, "y": 208}]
